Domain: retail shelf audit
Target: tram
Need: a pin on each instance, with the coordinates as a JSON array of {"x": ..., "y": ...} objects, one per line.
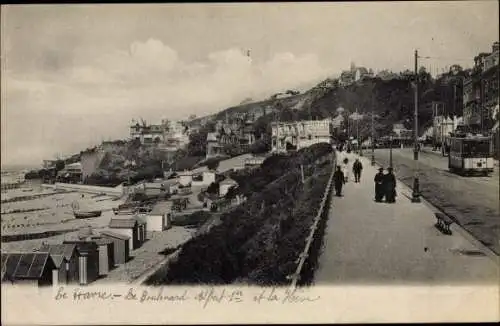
[{"x": 470, "y": 154}]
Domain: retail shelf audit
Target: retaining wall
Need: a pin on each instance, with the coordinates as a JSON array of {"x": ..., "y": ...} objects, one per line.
[{"x": 116, "y": 191}]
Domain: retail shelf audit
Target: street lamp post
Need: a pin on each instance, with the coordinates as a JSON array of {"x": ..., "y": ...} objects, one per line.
[
  {"x": 416, "y": 184},
  {"x": 390, "y": 151},
  {"x": 373, "y": 139}
]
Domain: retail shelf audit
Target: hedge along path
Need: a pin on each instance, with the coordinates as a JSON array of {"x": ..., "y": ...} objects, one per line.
[{"x": 304, "y": 255}]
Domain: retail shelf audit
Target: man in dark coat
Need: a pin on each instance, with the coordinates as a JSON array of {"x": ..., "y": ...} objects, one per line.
[
  {"x": 390, "y": 186},
  {"x": 338, "y": 181},
  {"x": 356, "y": 169},
  {"x": 379, "y": 185}
]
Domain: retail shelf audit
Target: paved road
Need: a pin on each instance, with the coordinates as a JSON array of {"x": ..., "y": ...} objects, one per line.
[
  {"x": 378, "y": 243},
  {"x": 473, "y": 201}
]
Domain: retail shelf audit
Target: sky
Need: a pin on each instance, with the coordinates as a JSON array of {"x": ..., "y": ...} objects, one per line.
[{"x": 74, "y": 75}]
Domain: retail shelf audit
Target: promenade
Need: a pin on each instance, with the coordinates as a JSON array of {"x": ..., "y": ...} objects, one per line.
[{"x": 379, "y": 243}]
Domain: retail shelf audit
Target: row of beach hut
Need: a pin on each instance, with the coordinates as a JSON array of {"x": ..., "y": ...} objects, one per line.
[{"x": 91, "y": 256}]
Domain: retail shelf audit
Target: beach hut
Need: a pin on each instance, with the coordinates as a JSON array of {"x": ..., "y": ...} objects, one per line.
[
  {"x": 142, "y": 228},
  {"x": 106, "y": 254},
  {"x": 130, "y": 226},
  {"x": 88, "y": 260},
  {"x": 65, "y": 257},
  {"x": 159, "y": 218},
  {"x": 37, "y": 269},
  {"x": 121, "y": 246}
]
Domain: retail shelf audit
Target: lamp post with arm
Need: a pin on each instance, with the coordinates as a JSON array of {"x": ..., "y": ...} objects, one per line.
[
  {"x": 416, "y": 184},
  {"x": 373, "y": 139},
  {"x": 390, "y": 149}
]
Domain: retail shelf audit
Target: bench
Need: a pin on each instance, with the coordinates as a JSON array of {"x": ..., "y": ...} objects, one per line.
[{"x": 443, "y": 223}]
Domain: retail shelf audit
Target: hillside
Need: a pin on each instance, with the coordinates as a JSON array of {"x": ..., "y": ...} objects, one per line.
[
  {"x": 391, "y": 99},
  {"x": 294, "y": 101}
]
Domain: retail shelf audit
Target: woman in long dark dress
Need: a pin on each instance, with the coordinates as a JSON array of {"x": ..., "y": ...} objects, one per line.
[
  {"x": 379, "y": 185},
  {"x": 338, "y": 181},
  {"x": 390, "y": 186}
]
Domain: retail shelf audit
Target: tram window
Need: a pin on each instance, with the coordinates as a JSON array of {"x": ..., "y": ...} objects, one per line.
[{"x": 476, "y": 148}]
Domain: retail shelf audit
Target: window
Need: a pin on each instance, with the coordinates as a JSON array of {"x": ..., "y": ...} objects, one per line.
[{"x": 476, "y": 148}]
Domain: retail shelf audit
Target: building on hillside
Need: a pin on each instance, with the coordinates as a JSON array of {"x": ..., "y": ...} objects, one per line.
[
  {"x": 238, "y": 134},
  {"x": 176, "y": 134},
  {"x": 300, "y": 134},
  {"x": 254, "y": 161},
  {"x": 361, "y": 73},
  {"x": 203, "y": 178},
  {"x": 443, "y": 126},
  {"x": 346, "y": 78},
  {"x": 36, "y": 269},
  {"x": 355, "y": 74},
  {"x": 48, "y": 164},
  {"x": 481, "y": 91},
  {"x": 402, "y": 135},
  {"x": 214, "y": 148},
  {"x": 386, "y": 75},
  {"x": 65, "y": 257},
  {"x": 337, "y": 123},
  {"x": 71, "y": 173},
  {"x": 147, "y": 134}
]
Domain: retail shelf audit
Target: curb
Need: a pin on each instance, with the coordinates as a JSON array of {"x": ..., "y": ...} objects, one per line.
[{"x": 455, "y": 226}]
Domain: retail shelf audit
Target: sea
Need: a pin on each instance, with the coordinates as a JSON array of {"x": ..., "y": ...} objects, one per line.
[{"x": 15, "y": 173}]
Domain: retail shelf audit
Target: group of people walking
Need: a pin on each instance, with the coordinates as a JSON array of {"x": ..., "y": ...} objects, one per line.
[
  {"x": 341, "y": 176},
  {"x": 385, "y": 184}
]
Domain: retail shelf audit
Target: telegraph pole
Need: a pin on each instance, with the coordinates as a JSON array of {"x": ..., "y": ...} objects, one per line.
[
  {"x": 416, "y": 185},
  {"x": 357, "y": 130},
  {"x": 373, "y": 138}
]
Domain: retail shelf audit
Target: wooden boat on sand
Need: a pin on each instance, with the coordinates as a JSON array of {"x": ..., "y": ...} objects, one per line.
[{"x": 89, "y": 214}]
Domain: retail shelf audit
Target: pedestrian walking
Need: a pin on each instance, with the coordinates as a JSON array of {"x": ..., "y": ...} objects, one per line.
[
  {"x": 379, "y": 185},
  {"x": 345, "y": 169},
  {"x": 338, "y": 181},
  {"x": 390, "y": 186},
  {"x": 357, "y": 167}
]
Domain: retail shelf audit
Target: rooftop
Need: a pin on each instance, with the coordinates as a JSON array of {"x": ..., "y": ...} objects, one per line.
[
  {"x": 59, "y": 252},
  {"x": 23, "y": 265},
  {"x": 161, "y": 208},
  {"x": 123, "y": 223},
  {"x": 228, "y": 181},
  {"x": 114, "y": 235}
]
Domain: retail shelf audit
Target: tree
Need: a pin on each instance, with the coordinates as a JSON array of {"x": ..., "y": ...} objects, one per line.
[
  {"x": 231, "y": 193},
  {"x": 455, "y": 69},
  {"x": 213, "y": 164},
  {"x": 197, "y": 144},
  {"x": 261, "y": 146},
  {"x": 231, "y": 150},
  {"x": 213, "y": 189}
]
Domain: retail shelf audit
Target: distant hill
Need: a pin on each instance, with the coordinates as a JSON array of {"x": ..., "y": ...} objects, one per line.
[{"x": 390, "y": 99}]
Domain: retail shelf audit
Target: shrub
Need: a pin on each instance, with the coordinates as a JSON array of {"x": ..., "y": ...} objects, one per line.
[
  {"x": 196, "y": 219},
  {"x": 260, "y": 240}
]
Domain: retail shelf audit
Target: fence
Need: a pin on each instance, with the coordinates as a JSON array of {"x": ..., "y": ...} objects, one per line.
[{"x": 309, "y": 240}]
